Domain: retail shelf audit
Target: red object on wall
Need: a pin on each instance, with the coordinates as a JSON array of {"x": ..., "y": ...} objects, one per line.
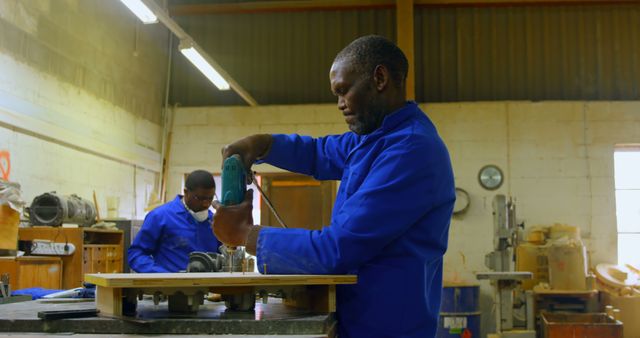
[{"x": 5, "y": 164}]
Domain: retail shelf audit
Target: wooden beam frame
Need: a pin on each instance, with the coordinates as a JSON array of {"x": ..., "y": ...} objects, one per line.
[
  {"x": 330, "y": 5},
  {"x": 165, "y": 18},
  {"x": 487, "y": 3},
  {"x": 405, "y": 40},
  {"x": 278, "y": 6}
]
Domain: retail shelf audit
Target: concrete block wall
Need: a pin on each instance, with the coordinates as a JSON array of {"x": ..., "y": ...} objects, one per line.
[
  {"x": 99, "y": 46},
  {"x": 557, "y": 158},
  {"x": 81, "y": 89},
  {"x": 40, "y": 166},
  {"x": 200, "y": 133}
]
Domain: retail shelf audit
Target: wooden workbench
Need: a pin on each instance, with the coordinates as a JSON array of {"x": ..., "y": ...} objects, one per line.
[
  {"x": 315, "y": 293},
  {"x": 268, "y": 320}
]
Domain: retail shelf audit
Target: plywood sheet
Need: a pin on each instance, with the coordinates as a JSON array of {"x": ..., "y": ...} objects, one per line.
[
  {"x": 9, "y": 220},
  {"x": 44, "y": 272},
  {"x": 33, "y": 271},
  {"x": 137, "y": 280}
]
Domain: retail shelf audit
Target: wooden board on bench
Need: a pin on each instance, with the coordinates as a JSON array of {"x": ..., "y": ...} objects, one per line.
[{"x": 318, "y": 291}]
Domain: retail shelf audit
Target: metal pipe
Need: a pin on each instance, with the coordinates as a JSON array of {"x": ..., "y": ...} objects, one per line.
[
  {"x": 531, "y": 320},
  {"x": 53, "y": 209}
]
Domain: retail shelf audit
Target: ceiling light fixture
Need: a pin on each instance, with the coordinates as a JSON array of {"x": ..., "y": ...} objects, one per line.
[
  {"x": 141, "y": 11},
  {"x": 150, "y": 12},
  {"x": 203, "y": 63}
]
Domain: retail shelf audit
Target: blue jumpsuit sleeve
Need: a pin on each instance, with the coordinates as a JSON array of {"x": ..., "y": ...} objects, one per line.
[
  {"x": 140, "y": 253},
  {"x": 323, "y": 158},
  {"x": 401, "y": 187}
]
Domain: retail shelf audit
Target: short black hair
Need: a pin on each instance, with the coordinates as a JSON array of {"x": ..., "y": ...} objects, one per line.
[
  {"x": 367, "y": 52},
  {"x": 200, "y": 179}
]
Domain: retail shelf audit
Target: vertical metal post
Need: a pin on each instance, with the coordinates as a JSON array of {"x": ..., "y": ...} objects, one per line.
[
  {"x": 531, "y": 319},
  {"x": 498, "y": 306},
  {"x": 405, "y": 39}
]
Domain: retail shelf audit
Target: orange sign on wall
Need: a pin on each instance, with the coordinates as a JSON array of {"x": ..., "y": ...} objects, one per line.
[{"x": 5, "y": 164}]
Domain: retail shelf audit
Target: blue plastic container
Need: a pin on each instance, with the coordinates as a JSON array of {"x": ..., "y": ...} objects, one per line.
[{"x": 459, "y": 311}]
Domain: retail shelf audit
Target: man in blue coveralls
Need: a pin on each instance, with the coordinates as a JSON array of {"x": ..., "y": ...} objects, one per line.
[
  {"x": 390, "y": 221},
  {"x": 173, "y": 230}
]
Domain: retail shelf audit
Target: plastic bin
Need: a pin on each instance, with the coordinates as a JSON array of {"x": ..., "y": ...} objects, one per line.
[{"x": 580, "y": 325}]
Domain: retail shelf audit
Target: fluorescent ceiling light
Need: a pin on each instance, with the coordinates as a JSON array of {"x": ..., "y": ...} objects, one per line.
[
  {"x": 141, "y": 11},
  {"x": 203, "y": 65}
]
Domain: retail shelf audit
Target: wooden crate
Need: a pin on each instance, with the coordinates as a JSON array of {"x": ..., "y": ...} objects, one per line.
[
  {"x": 580, "y": 325},
  {"x": 33, "y": 271},
  {"x": 105, "y": 258},
  {"x": 9, "y": 220},
  {"x": 629, "y": 312}
]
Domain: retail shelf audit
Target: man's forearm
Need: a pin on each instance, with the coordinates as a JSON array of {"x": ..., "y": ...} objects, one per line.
[{"x": 252, "y": 240}]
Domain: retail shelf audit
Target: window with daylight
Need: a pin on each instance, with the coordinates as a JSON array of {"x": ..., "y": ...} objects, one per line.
[{"x": 627, "y": 177}]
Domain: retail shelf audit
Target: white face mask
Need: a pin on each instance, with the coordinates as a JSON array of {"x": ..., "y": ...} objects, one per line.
[{"x": 199, "y": 216}]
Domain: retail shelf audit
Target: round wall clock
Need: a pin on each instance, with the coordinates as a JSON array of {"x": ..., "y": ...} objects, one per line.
[
  {"x": 462, "y": 202},
  {"x": 490, "y": 177}
]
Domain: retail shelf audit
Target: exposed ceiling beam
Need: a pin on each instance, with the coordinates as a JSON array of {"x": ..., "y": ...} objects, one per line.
[
  {"x": 326, "y": 5},
  {"x": 487, "y": 3},
  {"x": 278, "y": 6},
  {"x": 405, "y": 29},
  {"x": 173, "y": 26}
]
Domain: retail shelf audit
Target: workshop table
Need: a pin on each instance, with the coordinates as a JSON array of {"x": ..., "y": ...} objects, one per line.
[{"x": 273, "y": 318}]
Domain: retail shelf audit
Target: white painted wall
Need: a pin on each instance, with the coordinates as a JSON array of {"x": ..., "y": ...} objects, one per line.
[
  {"x": 557, "y": 158},
  {"x": 82, "y": 84},
  {"x": 200, "y": 133},
  {"x": 64, "y": 139}
]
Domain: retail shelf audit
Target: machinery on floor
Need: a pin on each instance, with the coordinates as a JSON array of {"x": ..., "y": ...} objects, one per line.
[
  {"x": 225, "y": 261},
  {"x": 5, "y": 291},
  {"x": 514, "y": 309}
]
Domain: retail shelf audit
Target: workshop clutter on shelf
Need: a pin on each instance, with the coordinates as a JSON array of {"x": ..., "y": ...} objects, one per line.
[
  {"x": 11, "y": 205},
  {"x": 557, "y": 257}
]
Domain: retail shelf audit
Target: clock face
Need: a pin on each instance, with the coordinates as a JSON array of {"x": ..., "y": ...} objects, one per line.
[
  {"x": 462, "y": 201},
  {"x": 490, "y": 177}
]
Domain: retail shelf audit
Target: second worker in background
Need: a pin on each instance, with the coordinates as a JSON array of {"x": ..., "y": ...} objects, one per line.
[
  {"x": 390, "y": 221},
  {"x": 172, "y": 231}
]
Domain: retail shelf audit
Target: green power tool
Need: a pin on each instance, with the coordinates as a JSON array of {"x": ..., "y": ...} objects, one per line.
[
  {"x": 234, "y": 180},
  {"x": 234, "y": 186}
]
